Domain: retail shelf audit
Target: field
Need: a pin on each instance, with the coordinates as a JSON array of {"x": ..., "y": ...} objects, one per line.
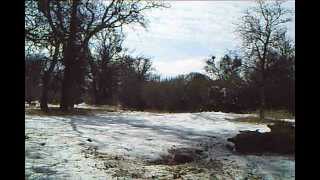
[{"x": 142, "y": 145}]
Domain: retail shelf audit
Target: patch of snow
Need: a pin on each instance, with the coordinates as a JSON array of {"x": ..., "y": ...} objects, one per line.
[
  {"x": 289, "y": 120},
  {"x": 134, "y": 135},
  {"x": 52, "y": 151},
  {"x": 54, "y": 105},
  {"x": 84, "y": 105}
]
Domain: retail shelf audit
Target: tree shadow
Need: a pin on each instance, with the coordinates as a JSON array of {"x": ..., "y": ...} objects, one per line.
[{"x": 185, "y": 134}]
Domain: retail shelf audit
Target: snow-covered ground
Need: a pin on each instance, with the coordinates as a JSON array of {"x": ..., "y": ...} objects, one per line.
[{"x": 101, "y": 146}]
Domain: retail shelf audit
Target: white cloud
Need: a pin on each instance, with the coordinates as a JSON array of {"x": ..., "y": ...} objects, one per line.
[
  {"x": 181, "y": 66},
  {"x": 189, "y": 30}
]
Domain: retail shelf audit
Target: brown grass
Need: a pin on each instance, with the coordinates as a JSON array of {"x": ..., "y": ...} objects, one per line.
[
  {"x": 271, "y": 116},
  {"x": 279, "y": 114},
  {"x": 251, "y": 119},
  {"x": 56, "y": 111}
]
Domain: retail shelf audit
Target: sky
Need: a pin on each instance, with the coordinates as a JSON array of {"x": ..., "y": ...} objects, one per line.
[{"x": 179, "y": 39}]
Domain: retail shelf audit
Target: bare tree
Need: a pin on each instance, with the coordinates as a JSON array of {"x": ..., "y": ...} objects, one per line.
[
  {"x": 211, "y": 68},
  {"x": 40, "y": 37},
  {"x": 75, "y": 22},
  {"x": 104, "y": 53},
  {"x": 261, "y": 30}
]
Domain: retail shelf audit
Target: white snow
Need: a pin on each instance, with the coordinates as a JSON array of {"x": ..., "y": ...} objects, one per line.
[
  {"x": 136, "y": 135},
  {"x": 80, "y": 106},
  {"x": 289, "y": 120},
  {"x": 86, "y": 106}
]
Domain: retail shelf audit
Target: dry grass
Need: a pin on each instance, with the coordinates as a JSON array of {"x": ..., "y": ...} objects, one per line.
[
  {"x": 56, "y": 111},
  {"x": 271, "y": 116},
  {"x": 279, "y": 114},
  {"x": 252, "y": 119}
]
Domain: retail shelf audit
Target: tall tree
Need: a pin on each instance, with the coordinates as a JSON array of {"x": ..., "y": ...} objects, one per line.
[
  {"x": 34, "y": 66},
  {"x": 104, "y": 68},
  {"x": 47, "y": 76},
  {"x": 261, "y": 30},
  {"x": 75, "y": 22},
  {"x": 226, "y": 75},
  {"x": 135, "y": 71},
  {"x": 40, "y": 38}
]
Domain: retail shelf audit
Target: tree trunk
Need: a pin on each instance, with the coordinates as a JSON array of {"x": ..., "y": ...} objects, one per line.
[
  {"x": 95, "y": 92},
  {"x": 70, "y": 55},
  {"x": 66, "y": 88},
  {"x": 44, "y": 94},
  {"x": 46, "y": 80},
  {"x": 262, "y": 93},
  {"x": 262, "y": 105},
  {"x": 93, "y": 69}
]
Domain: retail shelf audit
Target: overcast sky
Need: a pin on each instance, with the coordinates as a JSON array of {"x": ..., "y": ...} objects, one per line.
[{"x": 178, "y": 39}]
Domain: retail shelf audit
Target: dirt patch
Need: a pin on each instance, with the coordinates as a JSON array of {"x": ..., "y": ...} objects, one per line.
[
  {"x": 117, "y": 166},
  {"x": 177, "y": 156},
  {"x": 56, "y": 111},
  {"x": 180, "y": 163},
  {"x": 280, "y": 140}
]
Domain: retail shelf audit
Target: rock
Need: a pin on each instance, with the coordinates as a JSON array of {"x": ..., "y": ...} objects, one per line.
[{"x": 89, "y": 140}]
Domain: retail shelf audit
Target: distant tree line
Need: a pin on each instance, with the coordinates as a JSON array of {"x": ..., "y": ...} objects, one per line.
[
  {"x": 130, "y": 82},
  {"x": 234, "y": 89}
]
